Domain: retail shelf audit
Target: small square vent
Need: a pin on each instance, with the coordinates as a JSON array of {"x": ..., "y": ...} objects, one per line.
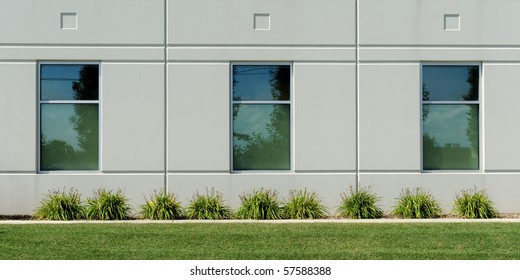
[
  {"x": 69, "y": 21},
  {"x": 262, "y": 22},
  {"x": 451, "y": 22}
]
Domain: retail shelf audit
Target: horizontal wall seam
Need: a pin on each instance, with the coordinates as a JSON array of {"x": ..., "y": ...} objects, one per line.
[
  {"x": 353, "y": 171},
  {"x": 502, "y": 171},
  {"x": 227, "y": 46},
  {"x": 198, "y": 172},
  {"x": 410, "y": 62},
  {"x": 400, "y": 172},
  {"x": 132, "y": 172},
  {"x": 62, "y": 45},
  {"x": 195, "y": 62},
  {"x": 100, "y": 174},
  {"x": 323, "y": 63},
  {"x": 219, "y": 61},
  {"x": 123, "y": 61},
  {"x": 413, "y": 62},
  {"x": 433, "y": 46},
  {"x": 391, "y": 171},
  {"x": 512, "y": 62},
  {"x": 18, "y": 61}
]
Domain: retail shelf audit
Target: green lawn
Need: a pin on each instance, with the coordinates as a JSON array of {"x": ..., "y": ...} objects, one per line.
[{"x": 261, "y": 241}]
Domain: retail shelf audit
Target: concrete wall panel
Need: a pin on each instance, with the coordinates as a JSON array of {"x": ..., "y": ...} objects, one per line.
[
  {"x": 269, "y": 53},
  {"x": 31, "y": 53},
  {"x": 504, "y": 191},
  {"x": 232, "y": 22},
  {"x": 18, "y": 117},
  {"x": 444, "y": 187},
  {"x": 422, "y": 22},
  {"x": 21, "y": 194},
  {"x": 389, "y": 121},
  {"x": 440, "y": 54},
  {"x": 501, "y": 134},
  {"x": 132, "y": 101},
  {"x": 199, "y": 117},
  {"x": 325, "y": 117},
  {"x": 327, "y": 186},
  {"x": 98, "y": 22}
]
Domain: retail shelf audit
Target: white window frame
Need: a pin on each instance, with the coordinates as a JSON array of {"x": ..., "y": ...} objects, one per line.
[
  {"x": 271, "y": 102},
  {"x": 40, "y": 101},
  {"x": 480, "y": 117}
]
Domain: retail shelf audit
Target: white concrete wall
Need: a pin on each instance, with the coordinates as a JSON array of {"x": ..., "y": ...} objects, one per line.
[
  {"x": 131, "y": 54},
  {"x": 224, "y": 30},
  {"x": 17, "y": 117},
  {"x": 390, "y": 126},
  {"x": 500, "y": 115},
  {"x": 132, "y": 101},
  {"x": 231, "y": 22},
  {"x": 198, "y": 127},
  {"x": 421, "y": 22},
  {"x": 98, "y": 22},
  {"x": 414, "y": 30},
  {"x": 355, "y": 108},
  {"x": 395, "y": 38},
  {"x": 201, "y": 46},
  {"x": 324, "y": 117},
  {"x": 106, "y": 30}
]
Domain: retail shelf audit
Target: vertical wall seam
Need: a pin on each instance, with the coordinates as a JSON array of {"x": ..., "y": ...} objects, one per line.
[
  {"x": 357, "y": 92},
  {"x": 166, "y": 187}
]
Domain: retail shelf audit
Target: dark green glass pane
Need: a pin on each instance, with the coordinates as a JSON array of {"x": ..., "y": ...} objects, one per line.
[
  {"x": 261, "y": 137},
  {"x": 69, "y": 137},
  {"x": 261, "y": 82},
  {"x": 450, "y": 83},
  {"x": 450, "y": 137},
  {"x": 69, "y": 82}
]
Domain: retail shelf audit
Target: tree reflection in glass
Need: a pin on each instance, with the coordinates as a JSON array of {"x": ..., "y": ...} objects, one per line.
[
  {"x": 69, "y": 129},
  {"x": 261, "y": 117},
  {"x": 446, "y": 144}
]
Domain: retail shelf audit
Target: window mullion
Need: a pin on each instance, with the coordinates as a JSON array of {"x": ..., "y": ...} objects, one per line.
[
  {"x": 274, "y": 102},
  {"x": 69, "y": 101},
  {"x": 450, "y": 103}
]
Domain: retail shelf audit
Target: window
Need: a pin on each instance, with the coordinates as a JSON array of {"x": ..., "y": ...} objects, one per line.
[
  {"x": 68, "y": 116},
  {"x": 261, "y": 109},
  {"x": 450, "y": 117}
]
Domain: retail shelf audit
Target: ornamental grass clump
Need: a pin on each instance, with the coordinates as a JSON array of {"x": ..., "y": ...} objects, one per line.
[
  {"x": 209, "y": 206},
  {"x": 304, "y": 205},
  {"x": 259, "y": 204},
  {"x": 61, "y": 205},
  {"x": 360, "y": 205},
  {"x": 161, "y": 206},
  {"x": 107, "y": 205},
  {"x": 474, "y": 204},
  {"x": 416, "y": 204}
]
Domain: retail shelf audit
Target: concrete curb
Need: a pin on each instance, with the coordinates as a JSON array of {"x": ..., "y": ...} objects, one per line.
[{"x": 321, "y": 221}]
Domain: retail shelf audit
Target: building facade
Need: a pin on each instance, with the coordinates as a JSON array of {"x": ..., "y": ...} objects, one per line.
[{"x": 236, "y": 95}]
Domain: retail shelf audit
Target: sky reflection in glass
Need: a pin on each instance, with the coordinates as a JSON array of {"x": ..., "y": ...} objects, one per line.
[
  {"x": 257, "y": 82},
  {"x": 448, "y": 82},
  {"x": 57, "y": 81}
]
